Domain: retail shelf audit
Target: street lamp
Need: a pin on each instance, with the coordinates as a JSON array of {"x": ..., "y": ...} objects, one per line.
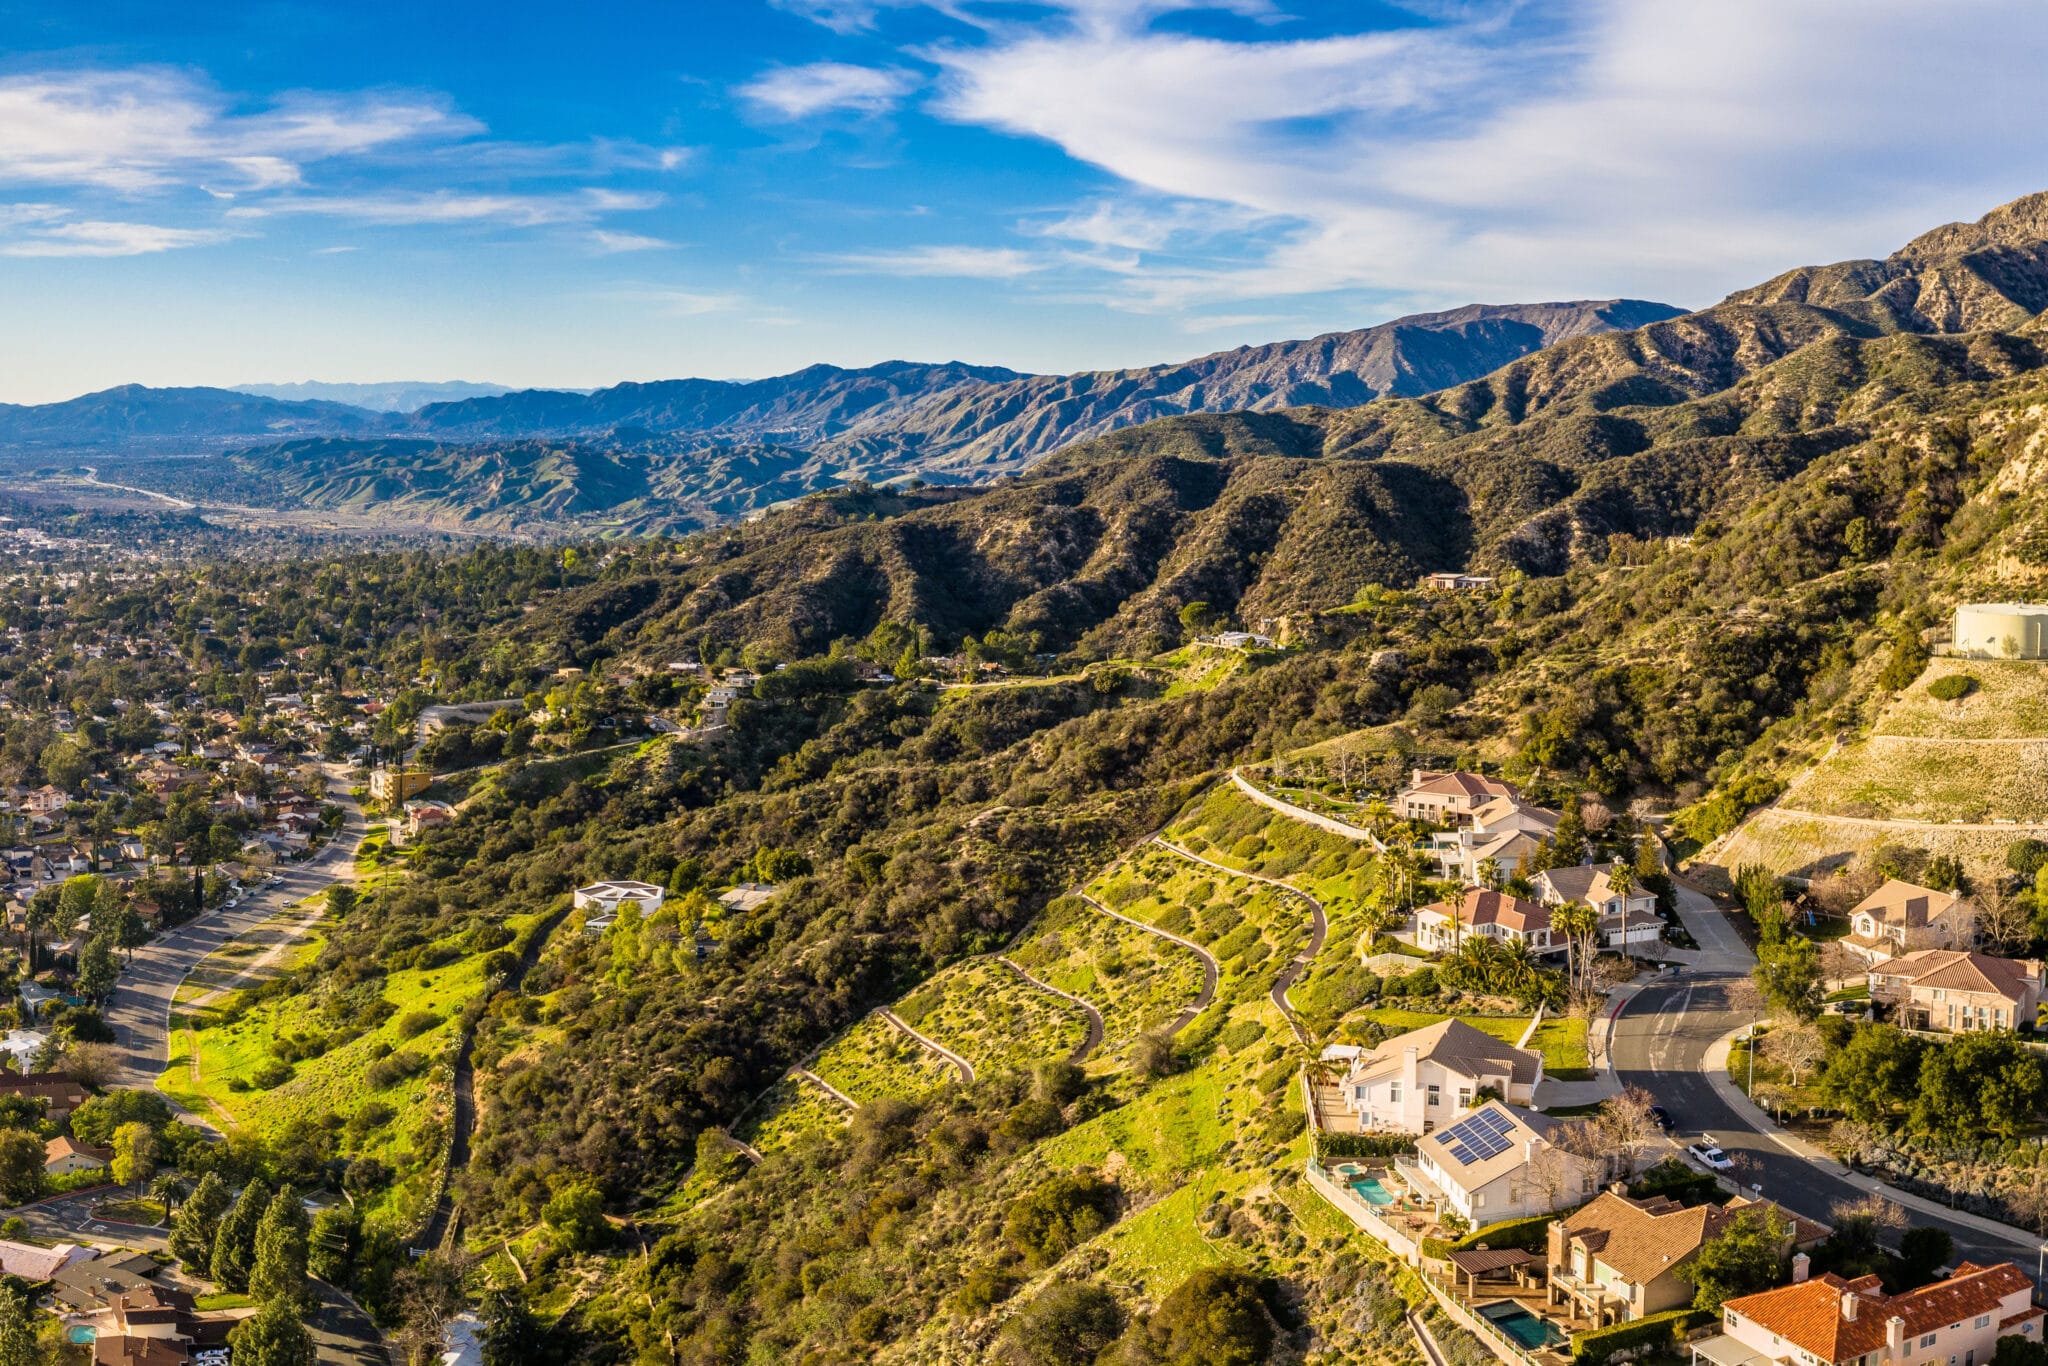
[
  {"x": 1752, "y": 1060},
  {"x": 2041, "y": 1263}
]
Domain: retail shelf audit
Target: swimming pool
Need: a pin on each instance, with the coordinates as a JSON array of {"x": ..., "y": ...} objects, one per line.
[
  {"x": 1372, "y": 1192},
  {"x": 1521, "y": 1325},
  {"x": 83, "y": 1334}
]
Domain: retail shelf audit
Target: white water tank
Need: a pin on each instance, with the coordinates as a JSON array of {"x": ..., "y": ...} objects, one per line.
[{"x": 2002, "y": 630}]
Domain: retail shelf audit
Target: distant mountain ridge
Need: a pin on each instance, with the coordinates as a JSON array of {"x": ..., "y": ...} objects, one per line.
[{"x": 394, "y": 396}]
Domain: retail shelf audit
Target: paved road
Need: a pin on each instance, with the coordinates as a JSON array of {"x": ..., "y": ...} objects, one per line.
[
  {"x": 1318, "y": 931},
  {"x": 1094, "y": 1039},
  {"x": 1661, "y": 1040},
  {"x": 141, "y": 1004},
  {"x": 1209, "y": 972}
]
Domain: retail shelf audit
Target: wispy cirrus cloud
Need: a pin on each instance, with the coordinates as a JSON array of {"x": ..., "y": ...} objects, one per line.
[
  {"x": 97, "y": 238},
  {"x": 452, "y": 206},
  {"x": 802, "y": 92},
  {"x": 150, "y": 128},
  {"x": 971, "y": 263}
]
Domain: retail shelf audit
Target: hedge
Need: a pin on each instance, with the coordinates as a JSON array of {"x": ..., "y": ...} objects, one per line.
[
  {"x": 1531, "y": 1234},
  {"x": 1668, "y": 1329},
  {"x": 1364, "y": 1145}
]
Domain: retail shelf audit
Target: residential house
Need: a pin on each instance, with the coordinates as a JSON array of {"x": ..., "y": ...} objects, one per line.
[
  {"x": 1458, "y": 583},
  {"x": 1504, "y": 832},
  {"x": 1498, "y": 1163},
  {"x": 95, "y": 1285},
  {"x": 155, "y": 1325},
  {"x": 603, "y": 899},
  {"x": 1240, "y": 640},
  {"x": 425, "y": 815},
  {"x": 46, "y": 800},
  {"x": 390, "y": 786},
  {"x": 1829, "y": 1321},
  {"x": 63, "y": 1155},
  {"x": 1628, "y": 920},
  {"x": 1619, "y": 1258},
  {"x": 748, "y": 896},
  {"x": 1417, "y": 1082},
  {"x": 1900, "y": 917},
  {"x": 59, "y": 1093},
  {"x": 1441, "y": 926},
  {"x": 1952, "y": 990},
  {"x": 34, "y": 1263},
  {"x": 1447, "y": 798}
]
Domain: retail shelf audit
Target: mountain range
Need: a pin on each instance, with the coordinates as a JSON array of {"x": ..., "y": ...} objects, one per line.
[{"x": 396, "y": 396}]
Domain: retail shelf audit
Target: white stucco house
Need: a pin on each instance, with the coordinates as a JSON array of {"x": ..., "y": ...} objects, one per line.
[{"x": 1418, "y": 1082}]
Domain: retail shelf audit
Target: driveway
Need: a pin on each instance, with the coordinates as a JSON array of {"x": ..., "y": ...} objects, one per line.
[{"x": 141, "y": 1005}]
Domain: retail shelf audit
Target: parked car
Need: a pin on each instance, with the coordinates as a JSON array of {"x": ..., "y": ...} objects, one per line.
[
  {"x": 1661, "y": 1117},
  {"x": 1708, "y": 1154}
]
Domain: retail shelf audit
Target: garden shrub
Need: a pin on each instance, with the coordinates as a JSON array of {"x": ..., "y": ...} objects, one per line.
[
  {"x": 1950, "y": 687},
  {"x": 1668, "y": 1329}
]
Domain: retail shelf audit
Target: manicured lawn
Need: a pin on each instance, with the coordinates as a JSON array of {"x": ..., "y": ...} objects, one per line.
[
  {"x": 1561, "y": 1039},
  {"x": 146, "y": 1212},
  {"x": 223, "y": 1299}
]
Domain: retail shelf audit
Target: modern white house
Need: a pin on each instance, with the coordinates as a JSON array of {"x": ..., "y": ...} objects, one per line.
[
  {"x": 1498, "y": 1163},
  {"x": 603, "y": 900},
  {"x": 1442, "y": 926},
  {"x": 1421, "y": 1081},
  {"x": 1504, "y": 832},
  {"x": 1628, "y": 920},
  {"x": 1829, "y": 1321}
]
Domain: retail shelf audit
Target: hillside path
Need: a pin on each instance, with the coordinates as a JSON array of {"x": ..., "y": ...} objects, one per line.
[
  {"x": 805, "y": 1074},
  {"x": 1882, "y": 823},
  {"x": 1095, "y": 1032},
  {"x": 1319, "y": 930},
  {"x": 960, "y": 1064},
  {"x": 1209, "y": 972}
]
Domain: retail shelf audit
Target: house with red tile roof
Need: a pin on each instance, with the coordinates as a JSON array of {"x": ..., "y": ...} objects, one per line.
[
  {"x": 1443, "y": 925},
  {"x": 1951, "y": 990},
  {"x": 1902, "y": 917},
  {"x": 1448, "y": 798},
  {"x": 1829, "y": 1321}
]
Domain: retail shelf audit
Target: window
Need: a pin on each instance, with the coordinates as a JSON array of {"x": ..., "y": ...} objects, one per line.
[
  {"x": 1435, "y": 1095},
  {"x": 1393, "y": 1093},
  {"x": 1927, "y": 1341},
  {"x": 1983, "y": 1320},
  {"x": 1479, "y": 1200},
  {"x": 1464, "y": 1097}
]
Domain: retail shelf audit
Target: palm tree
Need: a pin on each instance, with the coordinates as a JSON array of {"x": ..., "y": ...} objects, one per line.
[
  {"x": 1489, "y": 874},
  {"x": 168, "y": 1189},
  {"x": 1579, "y": 924},
  {"x": 1377, "y": 813}
]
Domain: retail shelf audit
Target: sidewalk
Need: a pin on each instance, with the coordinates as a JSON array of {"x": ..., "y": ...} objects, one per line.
[{"x": 1715, "y": 1068}]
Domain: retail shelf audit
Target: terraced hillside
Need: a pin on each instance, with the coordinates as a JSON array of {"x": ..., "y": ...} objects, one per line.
[
  {"x": 1138, "y": 981},
  {"x": 874, "y": 1061},
  {"x": 1963, "y": 776},
  {"x": 993, "y": 1018}
]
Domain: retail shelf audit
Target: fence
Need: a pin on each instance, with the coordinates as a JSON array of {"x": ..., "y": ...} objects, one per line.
[
  {"x": 1286, "y": 808},
  {"x": 1354, "y": 1207}
]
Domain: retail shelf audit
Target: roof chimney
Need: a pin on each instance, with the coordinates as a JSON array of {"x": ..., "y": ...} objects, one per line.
[
  {"x": 1411, "y": 1066},
  {"x": 1801, "y": 1266},
  {"x": 1895, "y": 1336},
  {"x": 1850, "y": 1300}
]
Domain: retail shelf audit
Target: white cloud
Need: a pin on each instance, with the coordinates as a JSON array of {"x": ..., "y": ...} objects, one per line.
[
  {"x": 453, "y": 206},
  {"x": 1509, "y": 151},
  {"x": 975, "y": 263},
  {"x": 97, "y": 238},
  {"x": 613, "y": 242},
  {"x": 802, "y": 92},
  {"x": 677, "y": 303},
  {"x": 148, "y": 128}
]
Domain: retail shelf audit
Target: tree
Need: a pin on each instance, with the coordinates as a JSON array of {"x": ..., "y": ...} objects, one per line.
[
  {"x": 331, "y": 1246},
  {"x": 1876, "y": 1072},
  {"x": 1215, "y": 1317},
  {"x": 279, "y": 1271},
  {"x": 1795, "y": 1048},
  {"x": 135, "y": 1153},
  {"x": 92, "y": 1064},
  {"x": 198, "y": 1224},
  {"x": 1153, "y": 1055},
  {"x": 1625, "y": 1125},
  {"x": 1925, "y": 1250},
  {"x": 275, "y": 1337},
  {"x": 1072, "y": 1321},
  {"x": 1058, "y": 1215},
  {"x": 1742, "y": 1258},
  {"x": 576, "y": 1213},
  {"x": 21, "y": 1166},
  {"x": 511, "y": 1336},
  {"x": 1976, "y": 1081},
  {"x": 234, "y": 1251},
  {"x": 18, "y": 1345},
  {"x": 341, "y": 900},
  {"x": 1568, "y": 845},
  {"x": 1196, "y": 617},
  {"x": 1788, "y": 974},
  {"x": 1580, "y": 926},
  {"x": 98, "y": 969}
]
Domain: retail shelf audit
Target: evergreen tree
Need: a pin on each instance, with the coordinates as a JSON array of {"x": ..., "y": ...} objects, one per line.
[
  {"x": 98, "y": 969},
  {"x": 234, "y": 1251},
  {"x": 18, "y": 1345},
  {"x": 511, "y": 1337},
  {"x": 279, "y": 1271},
  {"x": 275, "y": 1337},
  {"x": 1568, "y": 846}
]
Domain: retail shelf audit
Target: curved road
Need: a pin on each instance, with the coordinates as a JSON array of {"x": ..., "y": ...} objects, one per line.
[
  {"x": 1660, "y": 1042},
  {"x": 960, "y": 1064},
  {"x": 1094, "y": 1039},
  {"x": 1209, "y": 973},
  {"x": 1319, "y": 930},
  {"x": 140, "y": 1009}
]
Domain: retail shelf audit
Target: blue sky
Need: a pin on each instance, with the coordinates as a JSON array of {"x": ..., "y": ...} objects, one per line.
[{"x": 576, "y": 195}]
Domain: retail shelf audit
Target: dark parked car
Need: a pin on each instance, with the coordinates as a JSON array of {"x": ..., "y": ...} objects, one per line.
[{"x": 1661, "y": 1117}]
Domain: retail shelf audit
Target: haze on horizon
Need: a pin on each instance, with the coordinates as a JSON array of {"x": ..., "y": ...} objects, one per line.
[{"x": 244, "y": 194}]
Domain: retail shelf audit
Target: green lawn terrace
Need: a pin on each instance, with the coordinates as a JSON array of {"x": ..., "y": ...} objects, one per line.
[
  {"x": 993, "y": 1018},
  {"x": 1138, "y": 981},
  {"x": 1561, "y": 1039},
  {"x": 1231, "y": 829},
  {"x": 874, "y": 1060},
  {"x": 1251, "y": 929}
]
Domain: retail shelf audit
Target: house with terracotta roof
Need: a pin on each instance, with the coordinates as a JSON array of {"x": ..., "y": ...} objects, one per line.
[
  {"x": 1443, "y": 925},
  {"x": 1618, "y": 1259},
  {"x": 1447, "y": 798},
  {"x": 1504, "y": 831},
  {"x": 1418, "y": 1082},
  {"x": 1829, "y": 1321},
  {"x": 64, "y": 1154},
  {"x": 1497, "y": 1163},
  {"x": 1901, "y": 917},
  {"x": 1628, "y": 920},
  {"x": 60, "y": 1094},
  {"x": 1949, "y": 989}
]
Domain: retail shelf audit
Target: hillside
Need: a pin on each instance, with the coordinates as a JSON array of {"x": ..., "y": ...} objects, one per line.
[
  {"x": 136, "y": 413},
  {"x": 396, "y": 396}
]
